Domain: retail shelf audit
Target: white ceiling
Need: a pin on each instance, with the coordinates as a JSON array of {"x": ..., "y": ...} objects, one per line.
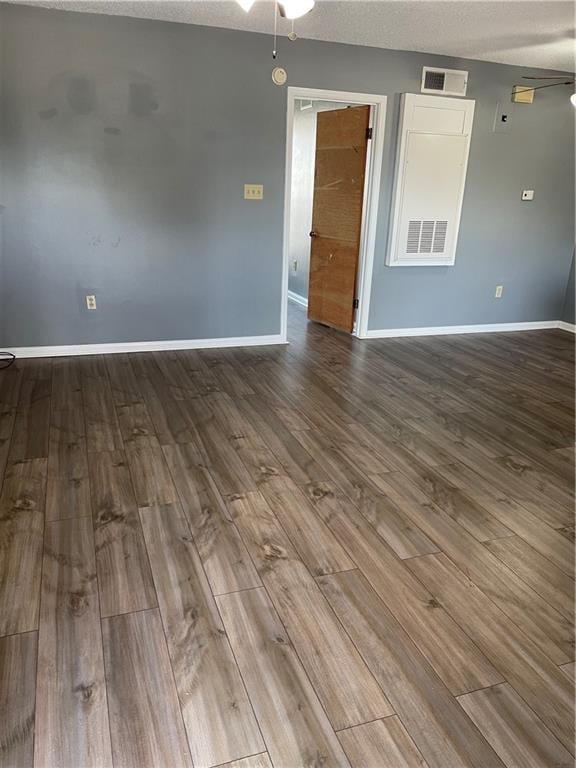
[{"x": 533, "y": 33}]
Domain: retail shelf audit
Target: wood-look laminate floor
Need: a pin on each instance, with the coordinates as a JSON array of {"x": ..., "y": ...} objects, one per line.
[{"x": 335, "y": 553}]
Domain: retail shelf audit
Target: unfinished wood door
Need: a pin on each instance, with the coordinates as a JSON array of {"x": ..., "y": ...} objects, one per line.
[{"x": 341, "y": 142}]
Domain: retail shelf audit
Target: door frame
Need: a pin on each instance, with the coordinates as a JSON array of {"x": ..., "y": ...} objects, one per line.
[{"x": 374, "y": 158}]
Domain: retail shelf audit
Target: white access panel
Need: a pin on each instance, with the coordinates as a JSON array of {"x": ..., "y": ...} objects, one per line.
[{"x": 434, "y": 142}]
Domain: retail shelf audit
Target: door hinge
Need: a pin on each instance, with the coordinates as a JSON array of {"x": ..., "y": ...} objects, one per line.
[
  {"x": 355, "y": 303},
  {"x": 368, "y": 133}
]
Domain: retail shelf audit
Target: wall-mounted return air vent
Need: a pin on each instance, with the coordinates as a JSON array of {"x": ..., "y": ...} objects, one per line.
[
  {"x": 434, "y": 139},
  {"x": 446, "y": 82},
  {"x": 426, "y": 236}
]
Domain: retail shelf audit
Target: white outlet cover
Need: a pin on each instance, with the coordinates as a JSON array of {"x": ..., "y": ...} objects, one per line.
[{"x": 528, "y": 194}]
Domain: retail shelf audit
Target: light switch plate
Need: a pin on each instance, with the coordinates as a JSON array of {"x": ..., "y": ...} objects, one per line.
[
  {"x": 253, "y": 191},
  {"x": 528, "y": 194}
]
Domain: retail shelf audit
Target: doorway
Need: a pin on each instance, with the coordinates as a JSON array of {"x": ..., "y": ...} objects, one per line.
[{"x": 333, "y": 164}]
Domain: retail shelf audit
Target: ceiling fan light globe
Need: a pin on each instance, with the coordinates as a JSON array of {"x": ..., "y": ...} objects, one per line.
[{"x": 294, "y": 9}]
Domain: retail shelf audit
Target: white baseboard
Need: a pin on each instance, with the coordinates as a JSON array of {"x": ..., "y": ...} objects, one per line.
[
  {"x": 70, "y": 350},
  {"x": 297, "y": 299},
  {"x": 570, "y": 327},
  {"x": 443, "y": 330}
]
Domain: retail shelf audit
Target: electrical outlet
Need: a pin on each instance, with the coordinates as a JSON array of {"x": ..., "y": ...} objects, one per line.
[
  {"x": 253, "y": 191},
  {"x": 91, "y": 302},
  {"x": 498, "y": 292},
  {"x": 295, "y": 265},
  {"x": 528, "y": 194}
]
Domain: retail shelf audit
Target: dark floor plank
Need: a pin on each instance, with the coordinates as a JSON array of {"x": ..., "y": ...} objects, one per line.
[
  {"x": 316, "y": 545},
  {"x": 145, "y": 721},
  {"x": 216, "y": 711},
  {"x": 381, "y": 744},
  {"x": 102, "y": 430},
  {"x": 21, "y": 537},
  {"x": 123, "y": 383},
  {"x": 540, "y": 682},
  {"x": 556, "y": 587},
  {"x": 124, "y": 577},
  {"x": 68, "y": 488},
  {"x": 455, "y": 658},
  {"x": 223, "y": 554},
  {"x": 18, "y": 654},
  {"x": 514, "y": 731},
  {"x": 548, "y": 628},
  {"x": 66, "y": 384},
  {"x": 344, "y": 685},
  {"x": 71, "y": 704},
  {"x": 294, "y": 725},
  {"x": 151, "y": 478},
  {"x": 431, "y": 715},
  {"x": 136, "y": 427},
  {"x": 523, "y": 522},
  {"x": 32, "y": 423}
]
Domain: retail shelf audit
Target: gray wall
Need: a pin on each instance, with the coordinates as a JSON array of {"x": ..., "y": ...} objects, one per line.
[
  {"x": 125, "y": 145},
  {"x": 568, "y": 313}
]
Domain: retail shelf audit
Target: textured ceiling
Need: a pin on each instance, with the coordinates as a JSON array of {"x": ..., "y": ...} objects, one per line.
[{"x": 533, "y": 33}]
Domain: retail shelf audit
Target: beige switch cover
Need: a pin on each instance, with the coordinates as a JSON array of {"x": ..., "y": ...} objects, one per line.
[{"x": 253, "y": 191}]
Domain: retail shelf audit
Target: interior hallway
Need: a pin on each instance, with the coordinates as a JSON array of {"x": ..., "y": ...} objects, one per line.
[{"x": 331, "y": 553}]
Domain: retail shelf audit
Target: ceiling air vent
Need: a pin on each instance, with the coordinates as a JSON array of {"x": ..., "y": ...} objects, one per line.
[{"x": 448, "y": 82}]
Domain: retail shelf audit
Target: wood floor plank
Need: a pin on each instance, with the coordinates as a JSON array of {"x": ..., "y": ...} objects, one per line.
[
  {"x": 297, "y": 463},
  {"x": 68, "y": 487},
  {"x": 217, "y": 714},
  {"x": 21, "y": 538},
  {"x": 226, "y": 466},
  {"x": 7, "y": 419},
  {"x": 222, "y": 551},
  {"x": 102, "y": 429},
  {"x": 256, "y": 761},
  {"x": 18, "y": 654},
  {"x": 399, "y": 532},
  {"x": 136, "y": 426},
  {"x": 145, "y": 720},
  {"x": 124, "y": 577},
  {"x": 10, "y": 383},
  {"x": 381, "y": 744},
  {"x": 513, "y": 730},
  {"x": 66, "y": 384},
  {"x": 428, "y": 710},
  {"x": 454, "y": 657},
  {"x": 313, "y": 540},
  {"x": 151, "y": 477},
  {"x": 548, "y": 628},
  {"x": 346, "y": 688},
  {"x": 71, "y": 703},
  {"x": 556, "y": 587},
  {"x": 32, "y": 423},
  {"x": 540, "y": 682},
  {"x": 123, "y": 382},
  {"x": 523, "y": 522},
  {"x": 293, "y": 723}
]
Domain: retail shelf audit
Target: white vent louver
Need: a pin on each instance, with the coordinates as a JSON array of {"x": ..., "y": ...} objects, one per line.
[
  {"x": 426, "y": 236},
  {"x": 447, "y": 82}
]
